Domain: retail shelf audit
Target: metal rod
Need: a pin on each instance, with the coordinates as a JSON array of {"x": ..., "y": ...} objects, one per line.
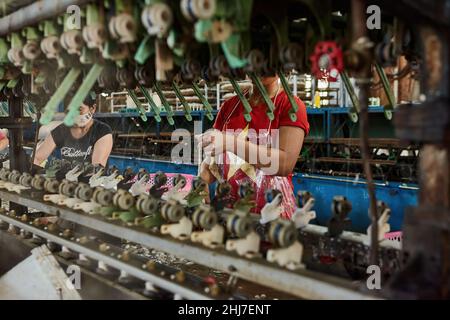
[{"x": 34, "y": 13}]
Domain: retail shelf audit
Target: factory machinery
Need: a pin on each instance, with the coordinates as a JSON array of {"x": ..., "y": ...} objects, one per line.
[{"x": 56, "y": 53}]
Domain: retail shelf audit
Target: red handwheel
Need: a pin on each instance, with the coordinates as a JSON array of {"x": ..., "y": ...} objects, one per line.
[{"x": 327, "y": 60}]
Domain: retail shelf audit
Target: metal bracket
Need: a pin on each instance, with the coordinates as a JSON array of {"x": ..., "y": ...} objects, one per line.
[
  {"x": 139, "y": 106},
  {"x": 204, "y": 101},
  {"x": 151, "y": 102},
  {"x": 264, "y": 95},
  {"x": 81, "y": 93},
  {"x": 387, "y": 89},
  {"x": 187, "y": 108},
  {"x": 164, "y": 103},
  {"x": 51, "y": 106}
]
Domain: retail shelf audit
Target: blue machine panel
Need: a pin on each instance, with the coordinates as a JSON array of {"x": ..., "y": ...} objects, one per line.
[
  {"x": 151, "y": 165},
  {"x": 396, "y": 195}
]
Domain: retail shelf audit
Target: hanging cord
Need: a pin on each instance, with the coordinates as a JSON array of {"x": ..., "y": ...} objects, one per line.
[
  {"x": 360, "y": 40},
  {"x": 364, "y": 128},
  {"x": 36, "y": 139}
]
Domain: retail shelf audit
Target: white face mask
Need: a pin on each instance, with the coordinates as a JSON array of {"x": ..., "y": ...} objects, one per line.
[{"x": 82, "y": 120}]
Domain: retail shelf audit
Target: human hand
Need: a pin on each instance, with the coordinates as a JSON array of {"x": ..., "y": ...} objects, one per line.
[{"x": 214, "y": 142}]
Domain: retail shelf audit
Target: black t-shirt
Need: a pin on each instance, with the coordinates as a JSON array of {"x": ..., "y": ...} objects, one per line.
[{"x": 79, "y": 150}]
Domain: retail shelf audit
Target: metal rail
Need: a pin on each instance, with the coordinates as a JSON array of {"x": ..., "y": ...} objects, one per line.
[
  {"x": 109, "y": 260},
  {"x": 302, "y": 283},
  {"x": 34, "y": 13}
]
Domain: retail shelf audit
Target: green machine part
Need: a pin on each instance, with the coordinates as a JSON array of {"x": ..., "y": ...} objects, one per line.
[
  {"x": 184, "y": 103},
  {"x": 239, "y": 11},
  {"x": 178, "y": 49},
  {"x": 49, "y": 28},
  {"x": 145, "y": 50},
  {"x": 3, "y": 51},
  {"x": 31, "y": 34},
  {"x": 204, "y": 101},
  {"x": 105, "y": 211},
  {"x": 16, "y": 40},
  {"x": 12, "y": 83},
  {"x": 126, "y": 216},
  {"x": 93, "y": 16},
  {"x": 52, "y": 105},
  {"x": 150, "y": 221},
  {"x": 294, "y": 105},
  {"x": 165, "y": 103},
  {"x": 52, "y": 28},
  {"x": 387, "y": 89},
  {"x": 244, "y": 101},
  {"x": 3, "y": 59},
  {"x": 151, "y": 102},
  {"x": 138, "y": 104},
  {"x": 112, "y": 47},
  {"x": 353, "y": 112},
  {"x": 82, "y": 92},
  {"x": 262, "y": 90}
]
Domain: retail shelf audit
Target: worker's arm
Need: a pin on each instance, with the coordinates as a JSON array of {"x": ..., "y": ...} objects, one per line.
[
  {"x": 4, "y": 143},
  {"x": 206, "y": 174},
  {"x": 44, "y": 150},
  {"x": 277, "y": 160},
  {"x": 102, "y": 150}
]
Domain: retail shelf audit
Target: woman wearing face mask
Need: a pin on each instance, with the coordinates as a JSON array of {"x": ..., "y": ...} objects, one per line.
[{"x": 89, "y": 140}]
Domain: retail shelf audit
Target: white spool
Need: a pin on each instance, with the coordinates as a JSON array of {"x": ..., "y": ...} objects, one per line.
[
  {"x": 198, "y": 9},
  {"x": 157, "y": 19}
]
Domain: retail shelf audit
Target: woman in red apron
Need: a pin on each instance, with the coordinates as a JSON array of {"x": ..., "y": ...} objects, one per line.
[{"x": 279, "y": 140}]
